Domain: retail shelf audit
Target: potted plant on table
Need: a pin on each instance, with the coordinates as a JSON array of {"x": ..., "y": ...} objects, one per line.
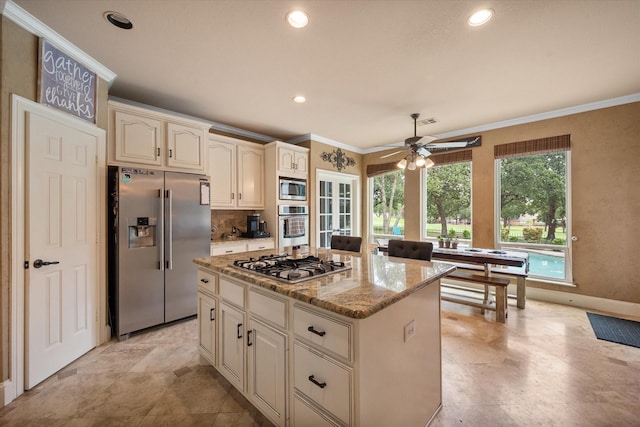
[
  {"x": 447, "y": 242},
  {"x": 454, "y": 243},
  {"x": 440, "y": 242}
]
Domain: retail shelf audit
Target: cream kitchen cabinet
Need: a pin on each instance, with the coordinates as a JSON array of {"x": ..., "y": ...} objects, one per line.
[
  {"x": 207, "y": 312},
  {"x": 293, "y": 161},
  {"x": 232, "y": 330},
  {"x": 267, "y": 369},
  {"x": 222, "y": 247},
  {"x": 149, "y": 138},
  {"x": 236, "y": 170}
]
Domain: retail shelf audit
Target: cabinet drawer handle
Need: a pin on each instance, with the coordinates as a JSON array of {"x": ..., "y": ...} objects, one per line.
[
  {"x": 211, "y": 314},
  {"x": 239, "y": 331},
  {"x": 229, "y": 251},
  {"x": 170, "y": 153},
  {"x": 204, "y": 280},
  {"x": 311, "y": 329},
  {"x": 249, "y": 343},
  {"x": 313, "y": 380},
  {"x": 158, "y": 152}
]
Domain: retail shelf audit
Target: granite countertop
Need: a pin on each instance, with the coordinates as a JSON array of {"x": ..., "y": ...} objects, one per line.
[
  {"x": 373, "y": 282},
  {"x": 221, "y": 241}
]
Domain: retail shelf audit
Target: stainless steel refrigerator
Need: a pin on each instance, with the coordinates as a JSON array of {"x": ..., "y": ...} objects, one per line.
[{"x": 159, "y": 221}]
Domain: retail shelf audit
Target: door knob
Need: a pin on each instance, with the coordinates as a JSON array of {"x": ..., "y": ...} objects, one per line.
[{"x": 39, "y": 263}]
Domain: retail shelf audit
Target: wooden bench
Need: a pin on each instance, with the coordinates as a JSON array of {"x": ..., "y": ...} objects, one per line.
[
  {"x": 499, "y": 283},
  {"x": 518, "y": 273}
]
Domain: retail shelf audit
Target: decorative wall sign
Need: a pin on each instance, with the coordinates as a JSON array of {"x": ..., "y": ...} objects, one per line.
[
  {"x": 66, "y": 84},
  {"x": 338, "y": 159}
]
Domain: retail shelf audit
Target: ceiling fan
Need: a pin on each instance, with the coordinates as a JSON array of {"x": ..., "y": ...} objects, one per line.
[{"x": 419, "y": 146}]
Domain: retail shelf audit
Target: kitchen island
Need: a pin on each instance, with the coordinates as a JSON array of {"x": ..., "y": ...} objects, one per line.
[{"x": 360, "y": 347}]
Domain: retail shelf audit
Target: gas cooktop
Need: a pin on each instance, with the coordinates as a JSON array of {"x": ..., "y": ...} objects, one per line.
[{"x": 290, "y": 270}]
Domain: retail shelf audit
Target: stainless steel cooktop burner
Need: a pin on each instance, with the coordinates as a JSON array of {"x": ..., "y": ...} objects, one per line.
[{"x": 290, "y": 270}]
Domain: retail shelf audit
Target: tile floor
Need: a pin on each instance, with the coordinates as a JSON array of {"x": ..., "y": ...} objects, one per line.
[{"x": 544, "y": 367}]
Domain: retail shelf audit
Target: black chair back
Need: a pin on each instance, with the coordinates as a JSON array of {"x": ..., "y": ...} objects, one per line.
[
  {"x": 346, "y": 243},
  {"x": 411, "y": 249}
]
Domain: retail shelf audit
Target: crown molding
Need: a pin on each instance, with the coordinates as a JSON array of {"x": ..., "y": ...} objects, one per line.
[
  {"x": 30, "y": 23},
  {"x": 322, "y": 139},
  {"x": 628, "y": 99}
]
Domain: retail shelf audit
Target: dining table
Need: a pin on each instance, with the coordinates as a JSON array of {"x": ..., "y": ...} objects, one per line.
[{"x": 492, "y": 261}]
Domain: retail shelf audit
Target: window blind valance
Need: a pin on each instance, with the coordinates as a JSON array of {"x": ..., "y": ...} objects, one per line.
[{"x": 533, "y": 146}]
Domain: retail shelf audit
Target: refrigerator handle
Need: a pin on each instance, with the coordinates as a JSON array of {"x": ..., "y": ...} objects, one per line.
[
  {"x": 160, "y": 227},
  {"x": 170, "y": 229}
]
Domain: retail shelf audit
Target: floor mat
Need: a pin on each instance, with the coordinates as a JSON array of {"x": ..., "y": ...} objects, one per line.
[{"x": 616, "y": 330}]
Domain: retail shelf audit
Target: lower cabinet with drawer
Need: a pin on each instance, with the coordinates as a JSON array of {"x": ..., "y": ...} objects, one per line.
[{"x": 301, "y": 365}]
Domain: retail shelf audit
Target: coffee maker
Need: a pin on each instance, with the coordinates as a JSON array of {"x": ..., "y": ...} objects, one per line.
[{"x": 255, "y": 227}]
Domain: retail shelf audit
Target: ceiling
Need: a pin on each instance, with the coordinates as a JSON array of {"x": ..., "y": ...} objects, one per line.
[{"x": 364, "y": 66}]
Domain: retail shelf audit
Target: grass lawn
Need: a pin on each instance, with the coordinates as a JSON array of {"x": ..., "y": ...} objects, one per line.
[{"x": 433, "y": 230}]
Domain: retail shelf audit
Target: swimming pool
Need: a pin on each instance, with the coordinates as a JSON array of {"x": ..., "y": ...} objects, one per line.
[{"x": 546, "y": 265}]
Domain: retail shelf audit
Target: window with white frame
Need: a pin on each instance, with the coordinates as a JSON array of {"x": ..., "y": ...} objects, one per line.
[
  {"x": 447, "y": 212},
  {"x": 533, "y": 204},
  {"x": 387, "y": 205}
]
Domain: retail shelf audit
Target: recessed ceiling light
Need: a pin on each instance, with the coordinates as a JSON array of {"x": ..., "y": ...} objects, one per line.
[
  {"x": 297, "y": 19},
  {"x": 480, "y": 17},
  {"x": 299, "y": 99},
  {"x": 119, "y": 20}
]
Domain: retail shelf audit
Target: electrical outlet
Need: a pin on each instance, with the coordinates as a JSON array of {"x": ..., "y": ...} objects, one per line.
[{"x": 409, "y": 330}]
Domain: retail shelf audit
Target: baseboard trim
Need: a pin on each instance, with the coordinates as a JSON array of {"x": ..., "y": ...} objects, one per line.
[
  {"x": 585, "y": 301},
  {"x": 7, "y": 392}
]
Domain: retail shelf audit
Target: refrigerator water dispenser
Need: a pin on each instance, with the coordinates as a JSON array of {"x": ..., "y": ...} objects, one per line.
[{"x": 143, "y": 233}]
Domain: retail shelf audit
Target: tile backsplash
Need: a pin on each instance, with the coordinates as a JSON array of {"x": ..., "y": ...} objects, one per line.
[{"x": 224, "y": 220}]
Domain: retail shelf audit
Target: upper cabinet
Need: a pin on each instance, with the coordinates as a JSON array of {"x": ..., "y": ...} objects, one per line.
[
  {"x": 293, "y": 161},
  {"x": 236, "y": 171},
  {"x": 145, "y": 137}
]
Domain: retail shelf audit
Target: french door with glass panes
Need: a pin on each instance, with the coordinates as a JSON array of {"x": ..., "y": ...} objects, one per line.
[{"x": 336, "y": 205}]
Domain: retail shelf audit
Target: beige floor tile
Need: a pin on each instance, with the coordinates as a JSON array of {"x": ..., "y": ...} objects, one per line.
[{"x": 543, "y": 367}]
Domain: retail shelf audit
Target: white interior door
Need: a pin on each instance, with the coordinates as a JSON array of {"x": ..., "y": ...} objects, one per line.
[
  {"x": 336, "y": 207},
  {"x": 61, "y": 230}
]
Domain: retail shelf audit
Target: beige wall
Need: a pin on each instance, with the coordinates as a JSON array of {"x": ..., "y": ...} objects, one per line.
[
  {"x": 19, "y": 75},
  {"x": 605, "y": 196}
]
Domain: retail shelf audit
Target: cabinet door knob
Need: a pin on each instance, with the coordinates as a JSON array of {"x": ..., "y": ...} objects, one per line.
[{"x": 204, "y": 280}]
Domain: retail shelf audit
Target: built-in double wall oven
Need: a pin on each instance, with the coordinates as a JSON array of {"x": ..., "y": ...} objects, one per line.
[{"x": 293, "y": 225}]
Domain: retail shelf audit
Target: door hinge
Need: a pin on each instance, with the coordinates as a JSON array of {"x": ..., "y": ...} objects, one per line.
[{"x": 26, "y": 264}]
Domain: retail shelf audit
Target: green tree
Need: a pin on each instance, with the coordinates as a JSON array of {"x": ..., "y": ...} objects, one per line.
[
  {"x": 535, "y": 185},
  {"x": 449, "y": 192},
  {"x": 388, "y": 198}
]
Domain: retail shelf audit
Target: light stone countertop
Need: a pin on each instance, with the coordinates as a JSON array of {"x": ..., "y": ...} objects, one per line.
[{"x": 373, "y": 283}]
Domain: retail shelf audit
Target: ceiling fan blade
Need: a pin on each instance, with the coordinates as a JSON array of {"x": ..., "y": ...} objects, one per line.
[
  {"x": 392, "y": 154},
  {"x": 452, "y": 144},
  {"x": 412, "y": 140}
]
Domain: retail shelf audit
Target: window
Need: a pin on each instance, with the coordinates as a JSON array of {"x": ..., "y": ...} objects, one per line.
[
  {"x": 448, "y": 199},
  {"x": 532, "y": 211},
  {"x": 387, "y": 196}
]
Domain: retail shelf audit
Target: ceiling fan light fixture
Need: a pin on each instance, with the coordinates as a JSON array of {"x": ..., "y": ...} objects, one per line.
[
  {"x": 298, "y": 18},
  {"x": 420, "y": 161},
  {"x": 428, "y": 163},
  {"x": 402, "y": 163},
  {"x": 480, "y": 17},
  {"x": 412, "y": 165}
]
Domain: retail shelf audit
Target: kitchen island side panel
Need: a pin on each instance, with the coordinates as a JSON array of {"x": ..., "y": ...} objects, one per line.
[{"x": 400, "y": 382}]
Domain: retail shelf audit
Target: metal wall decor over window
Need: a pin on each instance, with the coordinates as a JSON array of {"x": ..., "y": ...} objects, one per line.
[{"x": 338, "y": 159}]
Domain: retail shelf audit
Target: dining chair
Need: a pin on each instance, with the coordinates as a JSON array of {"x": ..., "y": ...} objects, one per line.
[
  {"x": 410, "y": 249},
  {"x": 346, "y": 243}
]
